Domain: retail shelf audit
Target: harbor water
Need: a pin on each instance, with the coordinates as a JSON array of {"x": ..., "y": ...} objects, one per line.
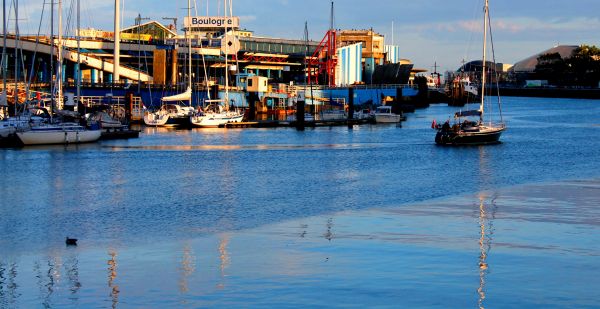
[{"x": 373, "y": 215}]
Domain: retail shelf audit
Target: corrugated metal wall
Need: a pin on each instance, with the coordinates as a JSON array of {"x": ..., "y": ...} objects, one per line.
[
  {"x": 349, "y": 67},
  {"x": 392, "y": 53}
]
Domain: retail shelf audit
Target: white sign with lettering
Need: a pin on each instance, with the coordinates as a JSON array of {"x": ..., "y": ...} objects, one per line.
[{"x": 211, "y": 22}]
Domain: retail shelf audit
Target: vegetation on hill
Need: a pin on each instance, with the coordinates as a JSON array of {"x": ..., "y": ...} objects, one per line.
[{"x": 582, "y": 68}]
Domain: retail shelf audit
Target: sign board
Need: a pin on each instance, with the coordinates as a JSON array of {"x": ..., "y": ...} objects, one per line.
[
  {"x": 230, "y": 45},
  {"x": 211, "y": 22},
  {"x": 135, "y": 36},
  {"x": 96, "y": 34}
]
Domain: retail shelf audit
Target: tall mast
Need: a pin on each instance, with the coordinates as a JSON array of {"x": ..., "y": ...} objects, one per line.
[
  {"x": 4, "y": 58},
  {"x": 483, "y": 73},
  {"x": 189, "y": 44},
  {"x": 117, "y": 36},
  {"x": 59, "y": 75},
  {"x": 78, "y": 71},
  {"x": 16, "y": 96},
  {"x": 52, "y": 98},
  {"x": 226, "y": 63}
]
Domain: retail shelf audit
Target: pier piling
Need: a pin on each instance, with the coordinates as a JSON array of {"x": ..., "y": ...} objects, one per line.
[
  {"x": 350, "y": 106},
  {"x": 252, "y": 99},
  {"x": 300, "y": 115}
]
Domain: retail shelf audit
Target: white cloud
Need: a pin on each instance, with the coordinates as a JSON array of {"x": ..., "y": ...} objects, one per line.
[{"x": 247, "y": 18}]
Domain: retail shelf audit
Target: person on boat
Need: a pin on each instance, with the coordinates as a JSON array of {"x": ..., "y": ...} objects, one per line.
[{"x": 446, "y": 126}]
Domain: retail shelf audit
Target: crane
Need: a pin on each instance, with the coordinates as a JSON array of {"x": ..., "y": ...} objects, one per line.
[{"x": 174, "y": 19}]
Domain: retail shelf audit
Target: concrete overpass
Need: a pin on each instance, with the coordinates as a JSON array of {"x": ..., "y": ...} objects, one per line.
[{"x": 88, "y": 59}]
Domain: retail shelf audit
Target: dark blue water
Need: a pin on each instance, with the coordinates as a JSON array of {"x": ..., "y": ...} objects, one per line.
[{"x": 170, "y": 186}]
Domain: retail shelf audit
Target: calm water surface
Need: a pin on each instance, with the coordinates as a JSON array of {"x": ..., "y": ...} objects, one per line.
[{"x": 157, "y": 217}]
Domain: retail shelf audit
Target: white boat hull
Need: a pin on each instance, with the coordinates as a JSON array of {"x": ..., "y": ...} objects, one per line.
[
  {"x": 387, "y": 118},
  {"x": 156, "y": 120},
  {"x": 48, "y": 136},
  {"x": 6, "y": 131},
  {"x": 214, "y": 120}
]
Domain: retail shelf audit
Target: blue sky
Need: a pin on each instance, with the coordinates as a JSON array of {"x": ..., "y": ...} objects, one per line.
[{"x": 428, "y": 31}]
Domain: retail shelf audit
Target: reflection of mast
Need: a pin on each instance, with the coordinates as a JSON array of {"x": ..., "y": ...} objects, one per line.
[
  {"x": 8, "y": 285},
  {"x": 328, "y": 233},
  {"x": 53, "y": 275},
  {"x": 71, "y": 266},
  {"x": 188, "y": 266},
  {"x": 112, "y": 274},
  {"x": 224, "y": 257},
  {"x": 485, "y": 242}
]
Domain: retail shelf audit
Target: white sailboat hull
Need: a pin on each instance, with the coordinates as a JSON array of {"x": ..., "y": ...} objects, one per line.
[
  {"x": 155, "y": 119},
  {"x": 214, "y": 120},
  {"x": 47, "y": 135}
]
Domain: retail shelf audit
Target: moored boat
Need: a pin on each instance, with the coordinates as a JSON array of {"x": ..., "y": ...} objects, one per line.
[
  {"x": 384, "y": 114},
  {"x": 62, "y": 133},
  {"x": 215, "y": 116},
  {"x": 169, "y": 115}
]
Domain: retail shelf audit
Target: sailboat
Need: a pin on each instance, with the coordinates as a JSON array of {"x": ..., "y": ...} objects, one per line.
[
  {"x": 465, "y": 130},
  {"x": 215, "y": 114},
  {"x": 171, "y": 113},
  {"x": 53, "y": 132}
]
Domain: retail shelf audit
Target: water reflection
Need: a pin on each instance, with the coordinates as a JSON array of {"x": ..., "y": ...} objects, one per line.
[
  {"x": 188, "y": 266},
  {"x": 304, "y": 227},
  {"x": 232, "y": 147},
  {"x": 486, "y": 232},
  {"x": 112, "y": 275},
  {"x": 328, "y": 232},
  {"x": 8, "y": 285},
  {"x": 485, "y": 170},
  {"x": 48, "y": 280},
  {"x": 224, "y": 258},
  {"x": 72, "y": 269}
]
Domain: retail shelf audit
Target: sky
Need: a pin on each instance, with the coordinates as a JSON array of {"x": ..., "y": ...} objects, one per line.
[{"x": 428, "y": 31}]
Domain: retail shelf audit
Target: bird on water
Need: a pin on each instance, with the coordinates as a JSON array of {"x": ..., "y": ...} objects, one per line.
[{"x": 71, "y": 241}]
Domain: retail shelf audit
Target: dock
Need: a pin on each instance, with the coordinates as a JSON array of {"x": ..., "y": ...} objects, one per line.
[{"x": 119, "y": 134}]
